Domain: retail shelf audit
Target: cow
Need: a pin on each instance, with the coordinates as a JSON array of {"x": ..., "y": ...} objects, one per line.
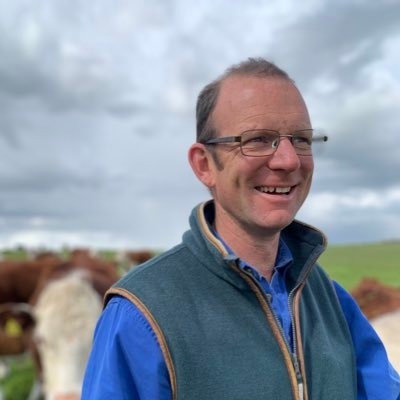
[
  {"x": 129, "y": 259},
  {"x": 66, "y": 300},
  {"x": 66, "y": 313},
  {"x": 375, "y": 298},
  {"x": 139, "y": 256},
  {"x": 18, "y": 282},
  {"x": 381, "y": 305},
  {"x": 18, "y": 279},
  {"x": 388, "y": 327}
]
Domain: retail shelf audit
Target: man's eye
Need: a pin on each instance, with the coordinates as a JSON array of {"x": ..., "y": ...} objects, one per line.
[
  {"x": 262, "y": 139},
  {"x": 302, "y": 140}
]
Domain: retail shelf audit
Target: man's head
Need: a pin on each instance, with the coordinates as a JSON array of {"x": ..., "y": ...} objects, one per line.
[
  {"x": 257, "y": 194},
  {"x": 207, "y": 99}
]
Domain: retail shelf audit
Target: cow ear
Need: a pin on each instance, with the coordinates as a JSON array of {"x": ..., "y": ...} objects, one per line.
[
  {"x": 27, "y": 320},
  {"x": 16, "y": 317}
]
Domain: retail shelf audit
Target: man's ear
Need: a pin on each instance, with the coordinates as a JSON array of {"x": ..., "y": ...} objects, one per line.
[{"x": 202, "y": 164}]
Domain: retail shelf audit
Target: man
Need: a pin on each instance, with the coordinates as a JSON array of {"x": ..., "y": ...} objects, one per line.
[{"x": 240, "y": 309}]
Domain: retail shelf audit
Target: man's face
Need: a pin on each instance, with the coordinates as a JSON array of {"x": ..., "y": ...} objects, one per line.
[{"x": 242, "y": 187}]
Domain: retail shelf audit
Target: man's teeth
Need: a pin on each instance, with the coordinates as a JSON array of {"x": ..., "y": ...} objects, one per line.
[{"x": 271, "y": 189}]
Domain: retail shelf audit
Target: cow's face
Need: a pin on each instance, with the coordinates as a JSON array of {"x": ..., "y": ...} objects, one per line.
[{"x": 66, "y": 313}]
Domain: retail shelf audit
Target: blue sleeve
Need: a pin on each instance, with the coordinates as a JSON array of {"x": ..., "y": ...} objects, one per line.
[
  {"x": 376, "y": 377},
  {"x": 126, "y": 361}
]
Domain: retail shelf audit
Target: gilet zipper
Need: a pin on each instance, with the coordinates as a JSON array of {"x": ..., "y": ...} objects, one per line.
[{"x": 298, "y": 391}]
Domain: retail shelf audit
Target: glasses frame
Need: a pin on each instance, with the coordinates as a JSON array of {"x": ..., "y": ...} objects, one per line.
[{"x": 319, "y": 137}]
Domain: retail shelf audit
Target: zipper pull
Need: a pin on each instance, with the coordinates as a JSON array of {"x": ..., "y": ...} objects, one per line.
[{"x": 299, "y": 378}]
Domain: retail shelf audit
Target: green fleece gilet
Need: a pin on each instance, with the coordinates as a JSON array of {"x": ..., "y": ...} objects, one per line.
[{"x": 216, "y": 329}]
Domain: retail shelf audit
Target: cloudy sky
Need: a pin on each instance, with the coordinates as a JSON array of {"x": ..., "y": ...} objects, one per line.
[{"x": 97, "y": 112}]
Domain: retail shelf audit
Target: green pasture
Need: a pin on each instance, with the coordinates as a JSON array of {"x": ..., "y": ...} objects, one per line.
[
  {"x": 348, "y": 264},
  {"x": 17, "y": 382}
]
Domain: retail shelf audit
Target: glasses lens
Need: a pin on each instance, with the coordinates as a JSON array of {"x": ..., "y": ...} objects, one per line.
[
  {"x": 259, "y": 142},
  {"x": 302, "y": 141}
]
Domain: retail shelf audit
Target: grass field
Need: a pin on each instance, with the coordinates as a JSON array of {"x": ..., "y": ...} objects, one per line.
[
  {"x": 348, "y": 264},
  {"x": 18, "y": 381}
]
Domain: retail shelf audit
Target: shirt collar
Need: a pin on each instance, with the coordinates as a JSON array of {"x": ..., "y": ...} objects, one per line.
[{"x": 283, "y": 258}]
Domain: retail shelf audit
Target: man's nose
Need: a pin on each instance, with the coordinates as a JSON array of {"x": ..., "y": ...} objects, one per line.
[{"x": 285, "y": 156}]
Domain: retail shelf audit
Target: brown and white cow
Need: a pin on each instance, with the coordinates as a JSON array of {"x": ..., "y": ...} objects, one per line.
[
  {"x": 380, "y": 303},
  {"x": 66, "y": 299},
  {"x": 66, "y": 313}
]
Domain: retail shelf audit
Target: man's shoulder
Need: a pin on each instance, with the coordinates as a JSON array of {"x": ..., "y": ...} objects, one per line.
[
  {"x": 158, "y": 267},
  {"x": 153, "y": 274}
]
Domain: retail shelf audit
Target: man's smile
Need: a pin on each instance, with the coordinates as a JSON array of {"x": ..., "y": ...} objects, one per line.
[{"x": 274, "y": 189}]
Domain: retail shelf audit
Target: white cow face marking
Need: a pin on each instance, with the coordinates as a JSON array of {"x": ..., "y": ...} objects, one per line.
[{"x": 66, "y": 312}]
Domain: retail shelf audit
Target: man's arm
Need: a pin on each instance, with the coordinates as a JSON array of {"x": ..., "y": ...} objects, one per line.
[
  {"x": 126, "y": 361},
  {"x": 376, "y": 378}
]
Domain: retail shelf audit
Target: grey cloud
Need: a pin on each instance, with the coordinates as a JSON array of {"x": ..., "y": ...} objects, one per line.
[
  {"x": 359, "y": 225},
  {"x": 124, "y": 109},
  {"x": 337, "y": 40},
  {"x": 361, "y": 152},
  {"x": 57, "y": 68},
  {"x": 97, "y": 107},
  {"x": 9, "y": 135},
  {"x": 43, "y": 178}
]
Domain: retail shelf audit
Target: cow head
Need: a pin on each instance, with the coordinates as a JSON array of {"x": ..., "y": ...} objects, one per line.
[{"x": 66, "y": 314}]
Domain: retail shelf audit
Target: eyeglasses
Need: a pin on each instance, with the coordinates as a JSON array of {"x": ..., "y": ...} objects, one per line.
[{"x": 264, "y": 142}]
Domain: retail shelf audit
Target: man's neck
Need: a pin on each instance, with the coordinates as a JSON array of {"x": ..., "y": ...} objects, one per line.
[{"x": 257, "y": 250}]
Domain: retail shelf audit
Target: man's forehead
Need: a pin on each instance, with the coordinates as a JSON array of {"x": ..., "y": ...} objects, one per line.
[
  {"x": 244, "y": 98},
  {"x": 239, "y": 88}
]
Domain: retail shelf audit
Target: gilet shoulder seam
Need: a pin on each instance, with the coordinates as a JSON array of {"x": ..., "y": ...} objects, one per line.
[{"x": 157, "y": 331}]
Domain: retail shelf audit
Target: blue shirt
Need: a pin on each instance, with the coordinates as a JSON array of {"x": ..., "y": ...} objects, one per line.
[
  {"x": 276, "y": 288},
  {"x": 126, "y": 360}
]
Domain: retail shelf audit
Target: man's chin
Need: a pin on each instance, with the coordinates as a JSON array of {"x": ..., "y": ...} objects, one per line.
[{"x": 276, "y": 221}]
